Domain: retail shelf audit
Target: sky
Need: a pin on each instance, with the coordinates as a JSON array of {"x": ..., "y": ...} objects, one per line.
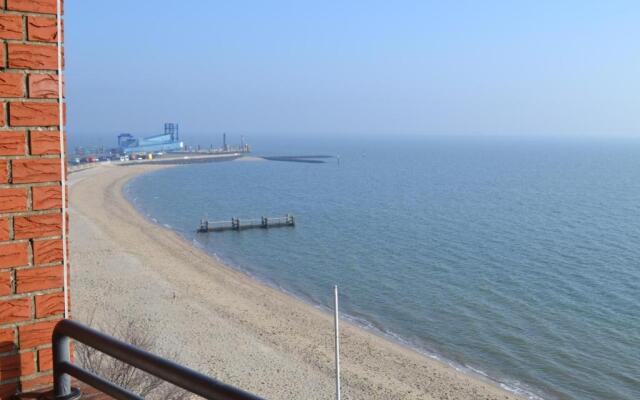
[{"x": 304, "y": 68}]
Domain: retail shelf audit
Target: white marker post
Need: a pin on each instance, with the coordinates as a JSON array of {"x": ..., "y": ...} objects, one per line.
[
  {"x": 63, "y": 158},
  {"x": 335, "y": 295}
]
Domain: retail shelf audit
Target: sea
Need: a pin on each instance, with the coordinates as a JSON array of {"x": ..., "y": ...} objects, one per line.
[{"x": 517, "y": 259}]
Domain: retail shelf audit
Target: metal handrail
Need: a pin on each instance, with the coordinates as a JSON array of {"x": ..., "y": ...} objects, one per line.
[{"x": 169, "y": 371}]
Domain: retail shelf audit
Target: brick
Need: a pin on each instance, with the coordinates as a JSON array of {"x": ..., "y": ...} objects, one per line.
[
  {"x": 42, "y": 278},
  {"x": 13, "y": 199},
  {"x": 15, "y": 365},
  {"x": 34, "y": 114},
  {"x": 7, "y": 340},
  {"x": 47, "y": 251},
  {"x": 47, "y": 197},
  {"x": 40, "y": 382},
  {"x": 45, "y": 359},
  {"x": 8, "y": 390},
  {"x": 35, "y": 226},
  {"x": 49, "y": 304},
  {"x": 5, "y": 285},
  {"x": 10, "y": 26},
  {"x": 4, "y": 229},
  {"x": 11, "y": 84},
  {"x": 32, "y": 56},
  {"x": 42, "y": 29},
  {"x": 45, "y": 142},
  {"x": 3, "y": 119},
  {"x": 4, "y": 175},
  {"x": 38, "y": 6},
  {"x": 13, "y": 255},
  {"x": 12, "y": 143},
  {"x": 36, "y": 170},
  {"x": 43, "y": 86},
  {"x": 36, "y": 334},
  {"x": 15, "y": 310}
]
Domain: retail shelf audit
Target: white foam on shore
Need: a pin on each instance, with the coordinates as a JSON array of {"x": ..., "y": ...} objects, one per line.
[{"x": 512, "y": 386}]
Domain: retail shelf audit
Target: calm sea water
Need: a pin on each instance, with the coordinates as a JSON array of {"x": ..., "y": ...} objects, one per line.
[{"x": 516, "y": 259}]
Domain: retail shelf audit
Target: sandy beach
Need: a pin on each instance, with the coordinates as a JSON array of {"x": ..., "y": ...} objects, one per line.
[{"x": 222, "y": 322}]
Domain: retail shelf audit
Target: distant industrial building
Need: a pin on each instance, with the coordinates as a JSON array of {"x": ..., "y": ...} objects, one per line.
[{"x": 168, "y": 141}]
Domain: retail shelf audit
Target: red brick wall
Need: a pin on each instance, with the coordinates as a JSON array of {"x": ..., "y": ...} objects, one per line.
[{"x": 31, "y": 270}]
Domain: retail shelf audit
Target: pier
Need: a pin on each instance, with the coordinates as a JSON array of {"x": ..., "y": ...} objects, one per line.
[{"x": 236, "y": 224}]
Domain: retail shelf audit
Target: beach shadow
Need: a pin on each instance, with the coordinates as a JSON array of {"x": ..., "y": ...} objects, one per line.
[{"x": 10, "y": 368}]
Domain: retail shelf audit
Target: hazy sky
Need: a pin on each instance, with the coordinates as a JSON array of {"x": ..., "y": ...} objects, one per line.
[{"x": 359, "y": 67}]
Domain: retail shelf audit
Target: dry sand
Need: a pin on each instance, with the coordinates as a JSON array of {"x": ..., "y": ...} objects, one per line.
[{"x": 224, "y": 323}]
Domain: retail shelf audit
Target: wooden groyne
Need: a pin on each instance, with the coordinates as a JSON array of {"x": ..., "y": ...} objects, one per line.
[
  {"x": 301, "y": 159},
  {"x": 236, "y": 224}
]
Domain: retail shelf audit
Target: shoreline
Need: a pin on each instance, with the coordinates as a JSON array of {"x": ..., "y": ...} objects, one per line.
[
  {"x": 356, "y": 322},
  {"x": 374, "y": 364}
]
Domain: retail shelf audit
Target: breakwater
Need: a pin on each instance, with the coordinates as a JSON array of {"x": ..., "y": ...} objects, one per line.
[{"x": 301, "y": 159}]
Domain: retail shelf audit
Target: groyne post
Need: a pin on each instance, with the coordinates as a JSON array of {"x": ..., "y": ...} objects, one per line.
[{"x": 337, "y": 342}]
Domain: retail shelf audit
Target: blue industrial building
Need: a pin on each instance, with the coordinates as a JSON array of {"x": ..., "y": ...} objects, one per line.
[{"x": 169, "y": 141}]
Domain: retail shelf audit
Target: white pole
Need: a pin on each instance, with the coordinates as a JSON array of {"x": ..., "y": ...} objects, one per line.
[
  {"x": 63, "y": 175},
  {"x": 336, "y": 318}
]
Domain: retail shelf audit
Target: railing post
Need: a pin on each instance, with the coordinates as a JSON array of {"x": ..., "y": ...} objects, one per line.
[{"x": 62, "y": 381}]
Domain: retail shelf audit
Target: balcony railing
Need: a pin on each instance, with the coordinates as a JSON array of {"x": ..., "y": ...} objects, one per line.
[{"x": 169, "y": 371}]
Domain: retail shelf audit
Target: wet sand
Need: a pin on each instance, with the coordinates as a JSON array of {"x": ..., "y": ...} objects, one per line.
[{"x": 222, "y": 322}]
